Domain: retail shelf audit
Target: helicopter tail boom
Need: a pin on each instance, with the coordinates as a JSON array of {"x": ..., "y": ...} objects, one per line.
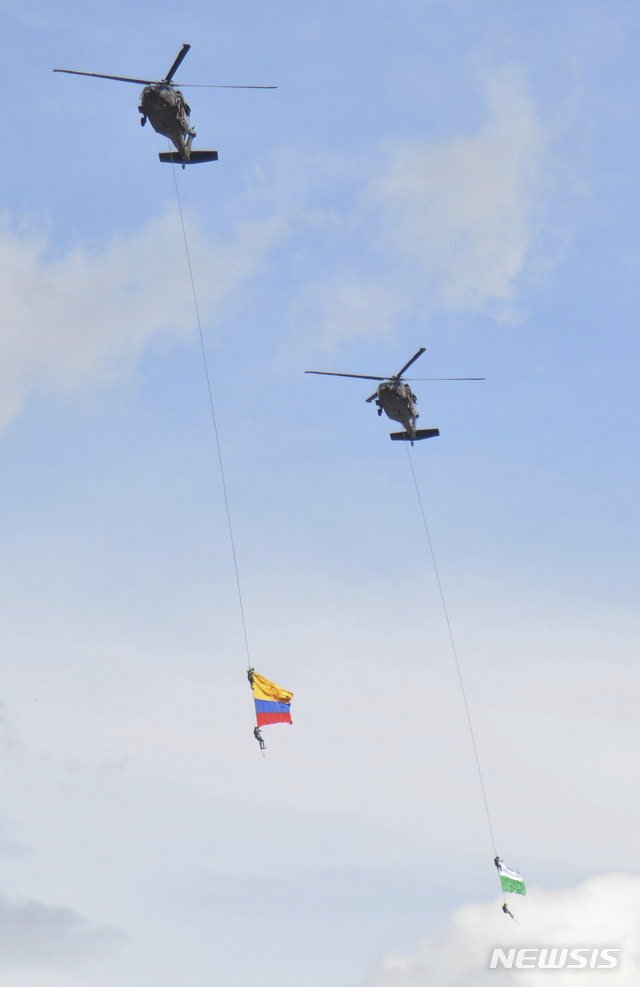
[{"x": 421, "y": 433}]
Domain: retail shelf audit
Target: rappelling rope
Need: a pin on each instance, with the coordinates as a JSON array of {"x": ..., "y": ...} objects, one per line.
[
  {"x": 213, "y": 417},
  {"x": 455, "y": 654}
]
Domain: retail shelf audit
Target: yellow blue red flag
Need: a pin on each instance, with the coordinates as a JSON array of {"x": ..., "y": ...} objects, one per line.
[{"x": 273, "y": 704}]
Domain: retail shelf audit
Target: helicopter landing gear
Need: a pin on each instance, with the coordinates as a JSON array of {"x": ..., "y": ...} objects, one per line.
[
  {"x": 143, "y": 120},
  {"x": 379, "y": 412}
]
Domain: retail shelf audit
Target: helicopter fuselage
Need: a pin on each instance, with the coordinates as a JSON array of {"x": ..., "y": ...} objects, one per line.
[
  {"x": 398, "y": 402},
  {"x": 168, "y": 113}
]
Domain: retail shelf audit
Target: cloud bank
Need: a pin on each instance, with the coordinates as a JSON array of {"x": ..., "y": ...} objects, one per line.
[
  {"x": 85, "y": 318},
  {"x": 603, "y": 911},
  {"x": 448, "y": 224},
  {"x": 464, "y": 213},
  {"x": 36, "y": 935}
]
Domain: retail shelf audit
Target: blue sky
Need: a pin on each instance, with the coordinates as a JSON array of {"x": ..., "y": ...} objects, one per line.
[{"x": 456, "y": 175}]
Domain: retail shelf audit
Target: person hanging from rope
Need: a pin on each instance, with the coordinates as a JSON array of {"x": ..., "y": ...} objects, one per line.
[
  {"x": 250, "y": 676},
  {"x": 507, "y": 912},
  {"x": 259, "y": 738}
]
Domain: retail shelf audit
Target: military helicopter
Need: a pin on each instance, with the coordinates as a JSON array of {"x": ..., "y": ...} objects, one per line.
[
  {"x": 397, "y": 400},
  {"x": 167, "y": 110}
]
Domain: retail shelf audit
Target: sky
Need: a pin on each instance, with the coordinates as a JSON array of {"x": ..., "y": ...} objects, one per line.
[{"x": 453, "y": 174}]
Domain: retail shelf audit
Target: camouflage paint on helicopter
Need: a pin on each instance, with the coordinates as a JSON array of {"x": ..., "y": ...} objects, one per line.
[
  {"x": 167, "y": 111},
  {"x": 397, "y": 400}
]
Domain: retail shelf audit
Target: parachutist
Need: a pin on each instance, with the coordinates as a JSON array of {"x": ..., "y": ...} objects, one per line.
[
  {"x": 497, "y": 861},
  {"x": 250, "y": 676},
  {"x": 259, "y": 737},
  {"x": 507, "y": 912}
]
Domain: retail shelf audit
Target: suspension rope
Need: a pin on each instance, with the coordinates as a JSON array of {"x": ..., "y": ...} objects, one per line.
[
  {"x": 455, "y": 654},
  {"x": 213, "y": 417}
]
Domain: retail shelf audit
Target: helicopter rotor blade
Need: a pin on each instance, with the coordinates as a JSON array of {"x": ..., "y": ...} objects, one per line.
[
  {"x": 118, "y": 78},
  {"x": 445, "y": 378},
  {"x": 412, "y": 360},
  {"x": 176, "y": 65},
  {"x": 201, "y": 85},
  {"x": 329, "y": 373}
]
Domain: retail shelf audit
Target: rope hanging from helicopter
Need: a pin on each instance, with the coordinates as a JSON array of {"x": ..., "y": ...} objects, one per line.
[
  {"x": 213, "y": 419},
  {"x": 272, "y": 702},
  {"x": 454, "y": 651}
]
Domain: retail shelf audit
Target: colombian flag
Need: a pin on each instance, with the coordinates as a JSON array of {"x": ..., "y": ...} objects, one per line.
[{"x": 273, "y": 704}]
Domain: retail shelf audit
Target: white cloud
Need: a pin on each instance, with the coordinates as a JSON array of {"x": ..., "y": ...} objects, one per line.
[
  {"x": 603, "y": 911},
  {"x": 51, "y": 978},
  {"x": 440, "y": 224},
  {"x": 463, "y": 213},
  {"x": 33, "y": 934},
  {"x": 54, "y": 978},
  {"x": 85, "y": 318},
  {"x": 347, "y": 306}
]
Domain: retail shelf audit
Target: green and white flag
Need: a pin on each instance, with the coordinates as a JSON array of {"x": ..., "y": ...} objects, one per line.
[{"x": 511, "y": 879}]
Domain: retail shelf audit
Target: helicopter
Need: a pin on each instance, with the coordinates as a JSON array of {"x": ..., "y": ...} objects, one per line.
[
  {"x": 397, "y": 400},
  {"x": 166, "y": 109}
]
